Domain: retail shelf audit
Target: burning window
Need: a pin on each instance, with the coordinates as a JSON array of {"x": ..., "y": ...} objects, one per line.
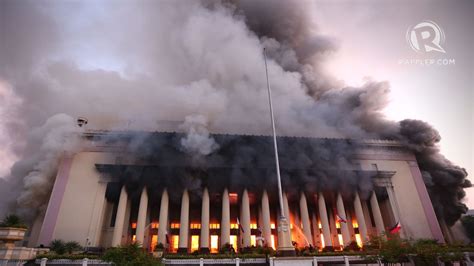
[
  {"x": 358, "y": 240},
  {"x": 174, "y": 243},
  {"x": 214, "y": 243},
  {"x": 174, "y": 226},
  {"x": 355, "y": 224},
  {"x": 134, "y": 225},
  {"x": 233, "y": 241},
  {"x": 233, "y": 198},
  {"x": 214, "y": 226},
  {"x": 195, "y": 226},
  {"x": 194, "y": 243}
]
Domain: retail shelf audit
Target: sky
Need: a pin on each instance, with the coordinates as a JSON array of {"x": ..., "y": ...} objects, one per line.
[{"x": 371, "y": 38}]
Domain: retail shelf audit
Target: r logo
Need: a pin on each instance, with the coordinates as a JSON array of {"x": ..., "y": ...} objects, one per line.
[{"x": 425, "y": 37}]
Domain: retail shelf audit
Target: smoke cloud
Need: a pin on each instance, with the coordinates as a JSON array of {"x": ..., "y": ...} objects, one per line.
[
  {"x": 197, "y": 141},
  {"x": 129, "y": 66}
]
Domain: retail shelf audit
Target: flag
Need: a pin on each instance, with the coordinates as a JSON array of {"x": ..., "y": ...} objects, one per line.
[
  {"x": 340, "y": 219},
  {"x": 240, "y": 226},
  {"x": 396, "y": 228}
]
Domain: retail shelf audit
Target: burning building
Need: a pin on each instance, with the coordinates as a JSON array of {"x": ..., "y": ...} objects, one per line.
[{"x": 336, "y": 191}]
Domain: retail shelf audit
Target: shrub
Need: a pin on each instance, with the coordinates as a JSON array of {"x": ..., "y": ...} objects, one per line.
[
  {"x": 159, "y": 246},
  {"x": 58, "y": 246},
  {"x": 12, "y": 220},
  {"x": 389, "y": 248},
  {"x": 130, "y": 255},
  {"x": 227, "y": 248},
  {"x": 72, "y": 246},
  {"x": 353, "y": 246}
]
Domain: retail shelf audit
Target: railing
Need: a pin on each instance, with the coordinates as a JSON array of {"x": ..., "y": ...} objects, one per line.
[
  {"x": 83, "y": 262},
  {"x": 201, "y": 261},
  {"x": 12, "y": 262}
]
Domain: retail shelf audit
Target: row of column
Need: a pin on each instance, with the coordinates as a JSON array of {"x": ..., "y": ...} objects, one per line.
[{"x": 120, "y": 223}]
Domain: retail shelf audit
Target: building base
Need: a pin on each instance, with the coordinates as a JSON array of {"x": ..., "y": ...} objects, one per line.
[
  {"x": 183, "y": 250},
  {"x": 204, "y": 251},
  {"x": 286, "y": 252},
  {"x": 328, "y": 249}
]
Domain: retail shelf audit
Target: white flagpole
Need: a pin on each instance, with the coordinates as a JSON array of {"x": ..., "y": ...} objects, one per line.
[{"x": 277, "y": 163}]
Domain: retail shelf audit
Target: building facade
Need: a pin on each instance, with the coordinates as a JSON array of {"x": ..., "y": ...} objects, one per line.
[{"x": 107, "y": 195}]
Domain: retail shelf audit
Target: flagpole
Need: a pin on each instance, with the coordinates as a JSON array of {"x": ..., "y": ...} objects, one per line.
[
  {"x": 284, "y": 244},
  {"x": 275, "y": 146}
]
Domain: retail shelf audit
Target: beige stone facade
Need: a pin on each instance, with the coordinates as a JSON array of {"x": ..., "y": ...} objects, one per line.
[{"x": 80, "y": 210}]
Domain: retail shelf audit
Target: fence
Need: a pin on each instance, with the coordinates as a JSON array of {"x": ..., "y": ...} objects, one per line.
[
  {"x": 83, "y": 262},
  {"x": 12, "y": 262}
]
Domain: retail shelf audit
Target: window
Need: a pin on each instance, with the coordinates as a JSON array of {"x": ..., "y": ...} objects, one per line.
[
  {"x": 234, "y": 226},
  {"x": 253, "y": 241},
  {"x": 214, "y": 226},
  {"x": 195, "y": 226},
  {"x": 355, "y": 224},
  {"x": 154, "y": 225},
  {"x": 358, "y": 240},
  {"x": 134, "y": 225},
  {"x": 233, "y": 241},
  {"x": 253, "y": 226},
  {"x": 272, "y": 226},
  {"x": 214, "y": 243},
  {"x": 174, "y": 226},
  {"x": 174, "y": 243},
  {"x": 194, "y": 243},
  {"x": 153, "y": 242}
]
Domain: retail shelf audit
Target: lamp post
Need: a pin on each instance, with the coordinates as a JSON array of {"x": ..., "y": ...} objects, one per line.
[{"x": 284, "y": 236}]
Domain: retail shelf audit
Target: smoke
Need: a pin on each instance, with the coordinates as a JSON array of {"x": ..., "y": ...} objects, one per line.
[
  {"x": 127, "y": 66},
  {"x": 198, "y": 140}
]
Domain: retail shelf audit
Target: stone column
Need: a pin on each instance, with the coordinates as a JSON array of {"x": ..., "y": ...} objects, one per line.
[
  {"x": 305, "y": 219},
  {"x": 120, "y": 218},
  {"x": 163, "y": 222},
  {"x": 225, "y": 223},
  {"x": 204, "y": 238},
  {"x": 374, "y": 204},
  {"x": 245, "y": 219},
  {"x": 266, "y": 220},
  {"x": 323, "y": 215},
  {"x": 141, "y": 220},
  {"x": 316, "y": 232},
  {"x": 184, "y": 223},
  {"x": 360, "y": 218},
  {"x": 341, "y": 211},
  {"x": 393, "y": 203}
]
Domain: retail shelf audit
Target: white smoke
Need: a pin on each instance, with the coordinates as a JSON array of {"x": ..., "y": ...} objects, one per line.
[
  {"x": 197, "y": 140},
  {"x": 57, "y": 137}
]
